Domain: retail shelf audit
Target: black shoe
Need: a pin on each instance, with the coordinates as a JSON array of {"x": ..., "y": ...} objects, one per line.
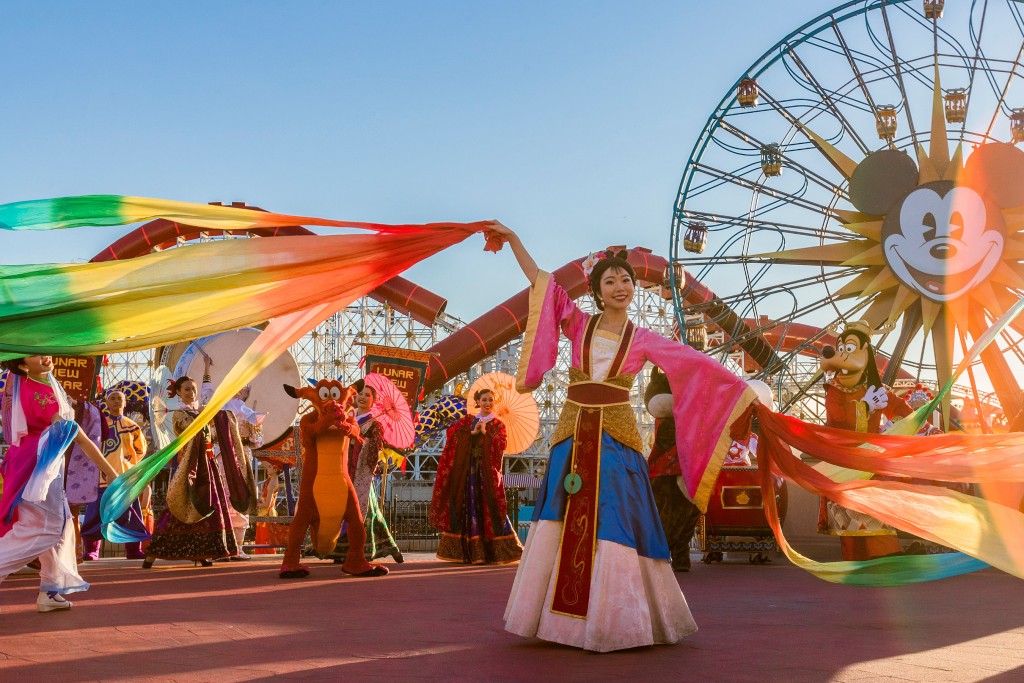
[
  {"x": 205, "y": 563},
  {"x": 148, "y": 562},
  {"x": 682, "y": 564}
]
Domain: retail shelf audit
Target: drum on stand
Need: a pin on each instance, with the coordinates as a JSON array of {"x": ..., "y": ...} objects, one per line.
[{"x": 266, "y": 394}]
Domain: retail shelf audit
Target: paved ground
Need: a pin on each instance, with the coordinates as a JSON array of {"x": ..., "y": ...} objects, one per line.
[{"x": 436, "y": 621}]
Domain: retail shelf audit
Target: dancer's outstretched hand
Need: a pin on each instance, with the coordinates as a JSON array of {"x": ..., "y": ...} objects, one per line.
[{"x": 497, "y": 234}]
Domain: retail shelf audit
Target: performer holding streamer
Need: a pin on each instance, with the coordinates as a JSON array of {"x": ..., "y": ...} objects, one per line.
[
  {"x": 35, "y": 521},
  {"x": 196, "y": 524},
  {"x": 595, "y": 572}
]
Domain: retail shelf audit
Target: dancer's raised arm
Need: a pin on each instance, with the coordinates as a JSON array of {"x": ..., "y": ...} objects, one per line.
[{"x": 506, "y": 234}]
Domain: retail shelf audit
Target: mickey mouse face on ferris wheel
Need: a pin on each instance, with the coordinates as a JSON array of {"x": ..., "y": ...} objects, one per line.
[{"x": 941, "y": 238}]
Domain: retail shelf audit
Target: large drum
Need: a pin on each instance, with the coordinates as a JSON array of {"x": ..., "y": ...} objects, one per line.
[
  {"x": 735, "y": 520},
  {"x": 266, "y": 395}
]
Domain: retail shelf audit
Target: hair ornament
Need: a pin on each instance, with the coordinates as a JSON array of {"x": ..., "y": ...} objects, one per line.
[{"x": 591, "y": 261}]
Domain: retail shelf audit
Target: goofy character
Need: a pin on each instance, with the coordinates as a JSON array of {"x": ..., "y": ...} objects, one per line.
[
  {"x": 856, "y": 399},
  {"x": 326, "y": 495}
]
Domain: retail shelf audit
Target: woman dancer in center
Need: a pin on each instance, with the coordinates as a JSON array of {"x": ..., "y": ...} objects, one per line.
[
  {"x": 196, "y": 524},
  {"x": 596, "y": 572}
]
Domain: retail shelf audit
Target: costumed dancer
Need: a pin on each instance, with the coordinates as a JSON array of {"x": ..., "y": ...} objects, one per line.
[
  {"x": 326, "y": 495},
  {"x": 35, "y": 521},
  {"x": 679, "y": 516},
  {"x": 196, "y": 524},
  {"x": 596, "y": 572},
  {"x": 82, "y": 477},
  {"x": 249, "y": 421},
  {"x": 123, "y": 447},
  {"x": 856, "y": 399},
  {"x": 468, "y": 504},
  {"x": 363, "y": 468}
]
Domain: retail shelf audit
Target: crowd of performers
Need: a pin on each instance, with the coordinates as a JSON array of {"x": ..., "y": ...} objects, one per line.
[{"x": 610, "y": 527}]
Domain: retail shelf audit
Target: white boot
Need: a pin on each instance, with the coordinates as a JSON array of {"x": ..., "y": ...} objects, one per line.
[{"x": 50, "y": 601}]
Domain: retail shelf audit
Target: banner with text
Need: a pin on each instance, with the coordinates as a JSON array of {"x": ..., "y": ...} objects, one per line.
[
  {"x": 407, "y": 368},
  {"x": 77, "y": 374}
]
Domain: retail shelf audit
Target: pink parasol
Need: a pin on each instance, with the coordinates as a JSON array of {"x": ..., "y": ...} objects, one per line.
[{"x": 392, "y": 411}]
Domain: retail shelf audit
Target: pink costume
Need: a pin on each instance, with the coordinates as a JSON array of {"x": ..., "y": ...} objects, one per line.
[
  {"x": 35, "y": 521},
  {"x": 602, "y": 580}
]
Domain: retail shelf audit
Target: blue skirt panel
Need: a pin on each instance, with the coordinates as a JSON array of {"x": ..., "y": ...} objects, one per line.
[{"x": 626, "y": 513}]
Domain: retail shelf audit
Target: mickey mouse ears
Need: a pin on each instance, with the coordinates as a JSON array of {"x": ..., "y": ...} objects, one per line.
[{"x": 884, "y": 177}]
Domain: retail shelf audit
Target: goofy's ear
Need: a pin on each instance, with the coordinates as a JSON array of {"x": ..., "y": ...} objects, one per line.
[{"x": 290, "y": 390}]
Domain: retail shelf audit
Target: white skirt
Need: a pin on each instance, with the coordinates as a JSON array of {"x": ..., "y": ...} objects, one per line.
[
  {"x": 634, "y": 601},
  {"x": 44, "y": 530}
]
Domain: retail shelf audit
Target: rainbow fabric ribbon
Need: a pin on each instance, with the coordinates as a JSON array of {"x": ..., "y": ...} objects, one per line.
[
  {"x": 984, "y": 532},
  {"x": 196, "y": 290}
]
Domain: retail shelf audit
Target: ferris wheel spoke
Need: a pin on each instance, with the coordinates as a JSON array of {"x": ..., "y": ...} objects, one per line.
[
  {"x": 827, "y": 99},
  {"x": 911, "y": 326},
  {"x": 790, "y": 162},
  {"x": 786, "y": 228},
  {"x": 973, "y": 69},
  {"x": 1006, "y": 88},
  {"x": 745, "y": 183},
  {"x": 899, "y": 75},
  {"x": 853, "y": 64}
]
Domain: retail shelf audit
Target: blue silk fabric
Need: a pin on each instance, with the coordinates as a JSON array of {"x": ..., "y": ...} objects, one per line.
[{"x": 626, "y": 512}]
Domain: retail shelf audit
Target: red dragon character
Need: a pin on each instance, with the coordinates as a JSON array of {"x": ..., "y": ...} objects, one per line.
[{"x": 326, "y": 495}]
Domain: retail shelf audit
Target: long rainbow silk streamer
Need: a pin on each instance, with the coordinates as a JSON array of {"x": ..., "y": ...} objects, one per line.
[
  {"x": 984, "y": 532},
  {"x": 112, "y": 209},
  {"x": 971, "y": 525},
  {"x": 911, "y": 424},
  {"x": 279, "y": 334},
  {"x": 193, "y": 291},
  {"x": 179, "y": 294}
]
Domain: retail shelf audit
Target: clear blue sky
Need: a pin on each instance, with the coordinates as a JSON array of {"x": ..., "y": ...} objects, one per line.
[{"x": 570, "y": 121}]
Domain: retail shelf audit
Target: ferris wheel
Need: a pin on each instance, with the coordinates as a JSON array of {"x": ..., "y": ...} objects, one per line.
[{"x": 865, "y": 168}]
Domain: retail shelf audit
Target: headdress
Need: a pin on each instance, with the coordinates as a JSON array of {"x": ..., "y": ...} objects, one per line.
[
  {"x": 842, "y": 327},
  {"x": 591, "y": 261}
]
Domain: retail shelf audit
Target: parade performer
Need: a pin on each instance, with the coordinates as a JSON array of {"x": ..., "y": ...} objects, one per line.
[
  {"x": 250, "y": 422},
  {"x": 363, "y": 468},
  {"x": 595, "y": 572},
  {"x": 326, "y": 494},
  {"x": 123, "y": 447},
  {"x": 468, "y": 504},
  {"x": 35, "y": 521},
  {"x": 196, "y": 524},
  {"x": 856, "y": 399},
  {"x": 82, "y": 477},
  {"x": 679, "y": 516}
]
